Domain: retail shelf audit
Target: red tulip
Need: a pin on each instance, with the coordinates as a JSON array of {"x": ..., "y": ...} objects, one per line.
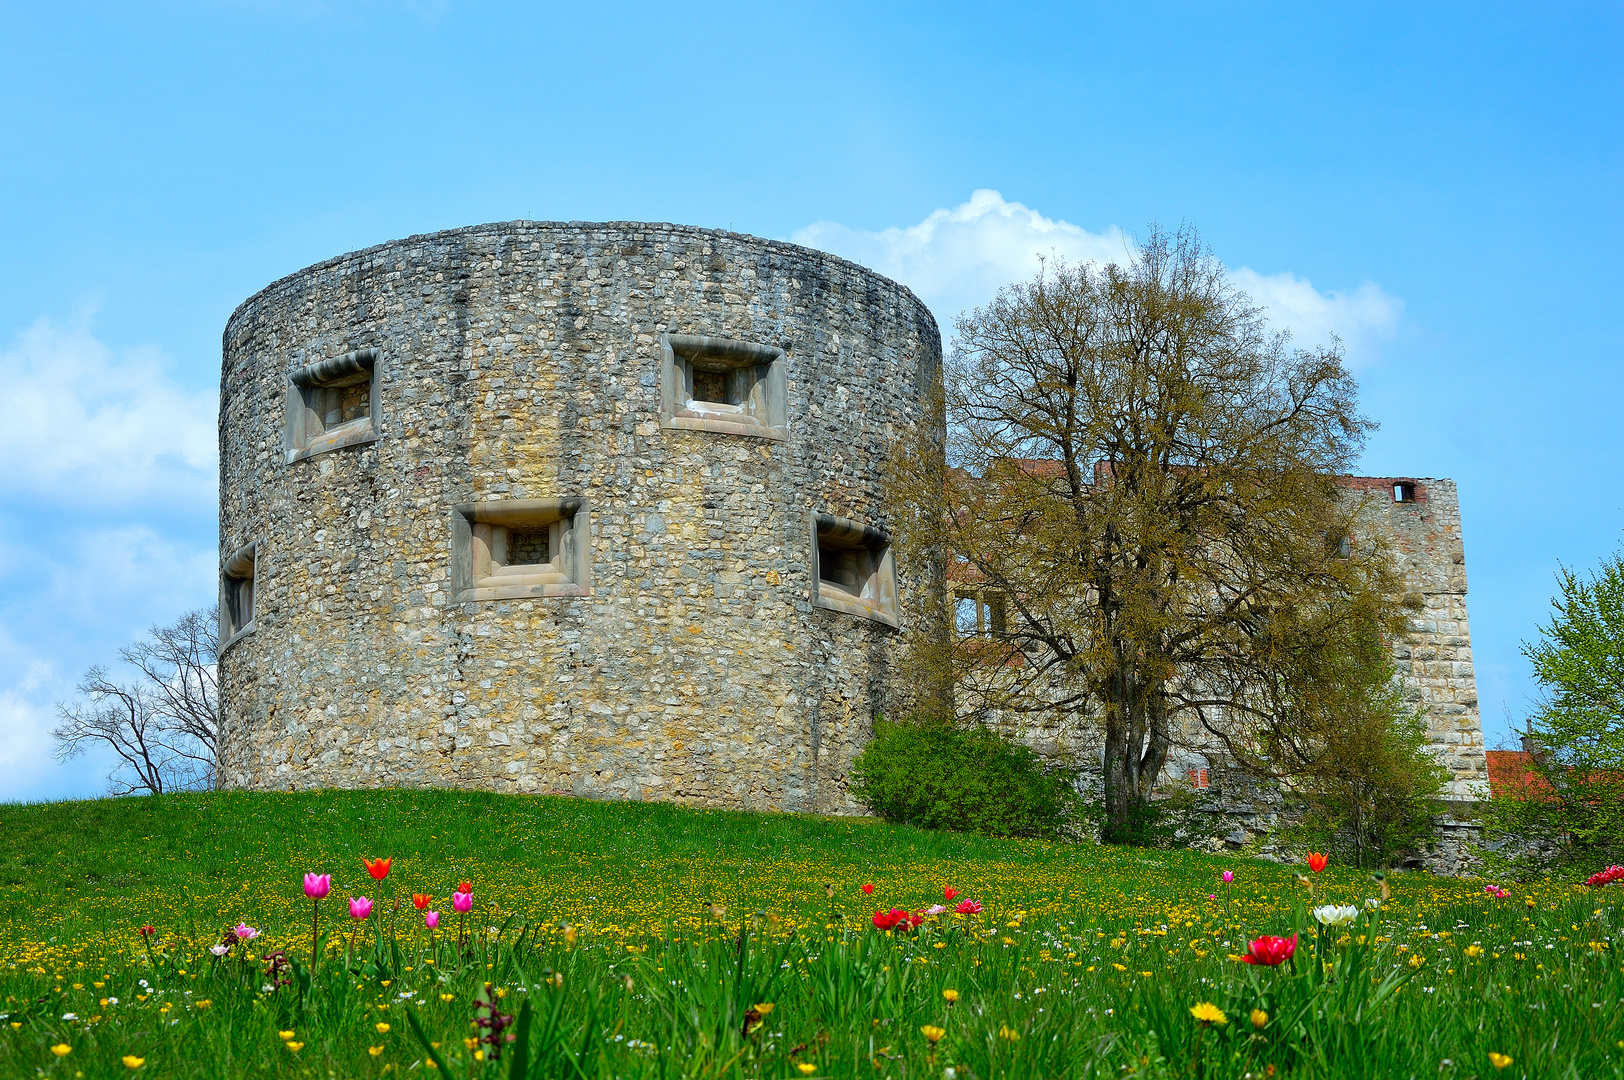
[
  {"x": 419, "y": 901},
  {"x": 1316, "y": 861},
  {"x": 968, "y": 907},
  {"x": 868, "y": 890},
  {"x": 950, "y": 892},
  {"x": 1271, "y": 951},
  {"x": 465, "y": 886},
  {"x": 148, "y": 931},
  {"x": 378, "y": 868}
]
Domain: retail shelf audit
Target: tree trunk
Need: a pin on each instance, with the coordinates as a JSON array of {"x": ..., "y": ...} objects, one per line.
[{"x": 1136, "y": 746}]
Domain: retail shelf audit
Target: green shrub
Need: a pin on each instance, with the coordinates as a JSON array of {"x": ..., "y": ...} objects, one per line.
[{"x": 963, "y": 777}]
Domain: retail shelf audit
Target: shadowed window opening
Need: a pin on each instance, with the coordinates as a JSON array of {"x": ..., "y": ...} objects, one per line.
[{"x": 855, "y": 572}]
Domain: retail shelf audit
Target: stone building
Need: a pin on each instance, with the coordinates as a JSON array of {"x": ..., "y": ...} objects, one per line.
[
  {"x": 596, "y": 509},
  {"x": 583, "y": 508}
]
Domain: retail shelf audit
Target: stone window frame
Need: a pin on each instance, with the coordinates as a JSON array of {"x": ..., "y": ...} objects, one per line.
[
  {"x": 876, "y": 599},
  {"x": 476, "y": 578},
  {"x": 991, "y": 611},
  {"x": 233, "y": 628},
  {"x": 756, "y": 374},
  {"x": 1404, "y": 491},
  {"x": 303, "y": 438}
]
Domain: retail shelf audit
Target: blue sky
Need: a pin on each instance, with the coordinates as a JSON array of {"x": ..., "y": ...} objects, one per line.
[{"x": 1439, "y": 184}]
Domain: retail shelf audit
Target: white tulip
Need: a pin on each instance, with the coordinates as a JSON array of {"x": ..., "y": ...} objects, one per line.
[{"x": 1336, "y": 914}]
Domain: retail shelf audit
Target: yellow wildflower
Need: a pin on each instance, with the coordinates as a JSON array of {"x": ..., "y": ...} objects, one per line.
[
  {"x": 1498, "y": 1060},
  {"x": 374, "y": 1050},
  {"x": 1008, "y": 1033},
  {"x": 294, "y": 1046},
  {"x": 950, "y": 996},
  {"x": 133, "y": 1062},
  {"x": 61, "y": 1049},
  {"x": 1260, "y": 1019},
  {"x": 285, "y": 1035},
  {"x": 1208, "y": 1013},
  {"x": 933, "y": 1033},
  {"x": 383, "y": 1028},
  {"x": 806, "y": 1067},
  {"x": 1474, "y": 951},
  {"x": 764, "y": 1007}
]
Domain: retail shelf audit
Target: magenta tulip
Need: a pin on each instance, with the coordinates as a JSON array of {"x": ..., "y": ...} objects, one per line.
[
  {"x": 462, "y": 901},
  {"x": 360, "y": 907},
  {"x": 245, "y": 932},
  {"x": 431, "y": 919},
  {"x": 318, "y": 885},
  {"x": 1229, "y": 875}
]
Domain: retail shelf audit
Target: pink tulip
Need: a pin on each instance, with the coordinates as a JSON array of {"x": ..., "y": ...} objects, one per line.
[
  {"x": 245, "y": 932},
  {"x": 360, "y": 907},
  {"x": 462, "y": 901},
  {"x": 1229, "y": 876},
  {"x": 219, "y": 950},
  {"x": 431, "y": 919},
  {"x": 935, "y": 909},
  {"x": 318, "y": 885},
  {"x": 968, "y": 907}
]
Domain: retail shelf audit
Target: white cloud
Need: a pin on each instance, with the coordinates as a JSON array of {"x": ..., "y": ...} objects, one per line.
[
  {"x": 1363, "y": 318},
  {"x": 133, "y": 451},
  {"x": 958, "y": 258},
  {"x": 78, "y": 420}
]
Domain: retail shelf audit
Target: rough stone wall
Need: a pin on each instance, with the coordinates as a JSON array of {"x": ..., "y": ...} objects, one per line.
[
  {"x": 1435, "y": 659},
  {"x": 521, "y": 361}
]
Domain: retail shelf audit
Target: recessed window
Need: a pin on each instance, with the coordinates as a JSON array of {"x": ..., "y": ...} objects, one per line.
[
  {"x": 979, "y": 613},
  {"x": 724, "y": 386},
  {"x": 853, "y": 570},
  {"x": 521, "y": 548},
  {"x": 237, "y": 594},
  {"x": 1200, "y": 779},
  {"x": 1403, "y": 491},
  {"x": 333, "y": 403}
]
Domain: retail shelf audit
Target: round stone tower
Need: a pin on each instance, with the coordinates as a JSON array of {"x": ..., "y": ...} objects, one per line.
[{"x": 573, "y": 508}]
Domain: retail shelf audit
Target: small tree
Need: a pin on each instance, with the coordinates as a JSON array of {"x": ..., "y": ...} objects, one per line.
[
  {"x": 1142, "y": 476},
  {"x": 1373, "y": 790},
  {"x": 1569, "y": 809},
  {"x": 161, "y": 725}
]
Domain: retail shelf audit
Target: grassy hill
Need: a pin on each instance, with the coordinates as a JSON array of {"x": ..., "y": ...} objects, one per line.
[{"x": 665, "y": 926}]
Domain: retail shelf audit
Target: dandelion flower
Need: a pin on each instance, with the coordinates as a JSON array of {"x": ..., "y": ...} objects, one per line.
[
  {"x": 1208, "y": 1013},
  {"x": 950, "y": 996},
  {"x": 1499, "y": 1060},
  {"x": 383, "y": 1028},
  {"x": 374, "y": 1050},
  {"x": 133, "y": 1062},
  {"x": 1260, "y": 1019},
  {"x": 294, "y": 1046},
  {"x": 806, "y": 1067},
  {"x": 61, "y": 1049},
  {"x": 285, "y": 1035}
]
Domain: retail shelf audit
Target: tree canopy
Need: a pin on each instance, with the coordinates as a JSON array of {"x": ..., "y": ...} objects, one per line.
[{"x": 1139, "y": 479}]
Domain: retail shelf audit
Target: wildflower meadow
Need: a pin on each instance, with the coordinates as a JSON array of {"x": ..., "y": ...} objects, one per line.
[{"x": 362, "y": 934}]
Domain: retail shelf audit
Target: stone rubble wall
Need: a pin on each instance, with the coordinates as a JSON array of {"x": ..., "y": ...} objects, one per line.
[{"x": 521, "y": 361}]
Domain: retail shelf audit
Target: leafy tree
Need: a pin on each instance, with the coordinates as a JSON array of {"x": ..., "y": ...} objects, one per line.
[
  {"x": 1142, "y": 477},
  {"x": 1373, "y": 791},
  {"x": 1570, "y": 809},
  {"x": 162, "y": 725}
]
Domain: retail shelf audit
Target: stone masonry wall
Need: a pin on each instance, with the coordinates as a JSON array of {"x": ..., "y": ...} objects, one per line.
[{"x": 521, "y": 361}]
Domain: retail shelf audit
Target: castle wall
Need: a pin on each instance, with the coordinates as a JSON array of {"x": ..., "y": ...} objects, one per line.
[
  {"x": 521, "y": 364},
  {"x": 1435, "y": 658}
]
